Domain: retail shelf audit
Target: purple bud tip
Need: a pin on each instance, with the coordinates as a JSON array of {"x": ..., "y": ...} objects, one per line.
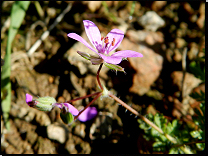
[
  {"x": 28, "y": 98},
  {"x": 88, "y": 114}
]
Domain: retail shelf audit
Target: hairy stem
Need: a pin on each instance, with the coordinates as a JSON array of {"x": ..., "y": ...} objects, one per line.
[
  {"x": 83, "y": 97},
  {"x": 99, "y": 94},
  {"x": 173, "y": 140},
  {"x": 98, "y": 79}
]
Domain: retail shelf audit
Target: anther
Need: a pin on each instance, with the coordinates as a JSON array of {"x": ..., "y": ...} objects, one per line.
[
  {"x": 113, "y": 42},
  {"x": 102, "y": 38},
  {"x": 106, "y": 40}
]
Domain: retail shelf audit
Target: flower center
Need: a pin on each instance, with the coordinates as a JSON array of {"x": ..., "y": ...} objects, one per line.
[{"x": 106, "y": 45}]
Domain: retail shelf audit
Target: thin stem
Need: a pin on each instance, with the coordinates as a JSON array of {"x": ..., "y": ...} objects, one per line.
[
  {"x": 98, "y": 79},
  {"x": 184, "y": 54},
  {"x": 123, "y": 104},
  {"x": 83, "y": 97},
  {"x": 100, "y": 93},
  {"x": 173, "y": 140}
]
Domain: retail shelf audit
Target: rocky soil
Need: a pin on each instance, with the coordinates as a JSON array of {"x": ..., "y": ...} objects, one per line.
[{"x": 159, "y": 30}]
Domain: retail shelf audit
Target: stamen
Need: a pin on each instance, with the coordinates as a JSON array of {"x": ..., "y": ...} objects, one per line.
[
  {"x": 113, "y": 42},
  {"x": 106, "y": 44},
  {"x": 102, "y": 38},
  {"x": 106, "y": 40}
]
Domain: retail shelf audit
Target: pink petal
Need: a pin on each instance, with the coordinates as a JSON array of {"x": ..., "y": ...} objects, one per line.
[
  {"x": 93, "y": 34},
  {"x": 116, "y": 58},
  {"x": 118, "y": 35},
  {"x": 71, "y": 109},
  {"x": 58, "y": 105},
  {"x": 88, "y": 114},
  {"x": 80, "y": 39},
  {"x": 111, "y": 59},
  {"x": 126, "y": 53},
  {"x": 28, "y": 98}
]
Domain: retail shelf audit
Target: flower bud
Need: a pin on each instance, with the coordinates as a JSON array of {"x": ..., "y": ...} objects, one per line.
[
  {"x": 66, "y": 116},
  {"x": 45, "y": 103},
  {"x": 42, "y": 103}
]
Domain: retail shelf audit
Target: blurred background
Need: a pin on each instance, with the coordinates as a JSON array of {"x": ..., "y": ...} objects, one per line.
[{"x": 171, "y": 37}]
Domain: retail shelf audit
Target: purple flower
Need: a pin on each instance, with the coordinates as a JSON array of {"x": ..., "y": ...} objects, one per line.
[
  {"x": 103, "y": 45},
  {"x": 88, "y": 114},
  {"x": 68, "y": 107}
]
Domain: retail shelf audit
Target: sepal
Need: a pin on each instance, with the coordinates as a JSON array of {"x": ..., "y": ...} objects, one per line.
[{"x": 114, "y": 67}]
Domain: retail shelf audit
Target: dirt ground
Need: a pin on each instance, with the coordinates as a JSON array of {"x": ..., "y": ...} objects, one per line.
[{"x": 150, "y": 85}]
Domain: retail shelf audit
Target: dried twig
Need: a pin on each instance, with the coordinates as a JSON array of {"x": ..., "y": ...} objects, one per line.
[
  {"x": 46, "y": 33},
  {"x": 184, "y": 71},
  {"x": 29, "y": 33}
]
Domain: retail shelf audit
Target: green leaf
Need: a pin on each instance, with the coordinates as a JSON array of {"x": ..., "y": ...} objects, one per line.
[
  {"x": 154, "y": 132},
  {"x": 173, "y": 151},
  {"x": 17, "y": 15},
  {"x": 196, "y": 134},
  {"x": 197, "y": 70},
  {"x": 200, "y": 146},
  {"x": 159, "y": 146}
]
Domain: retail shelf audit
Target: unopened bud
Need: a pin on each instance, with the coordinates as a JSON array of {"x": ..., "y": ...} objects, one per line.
[
  {"x": 42, "y": 103},
  {"x": 45, "y": 103},
  {"x": 67, "y": 117}
]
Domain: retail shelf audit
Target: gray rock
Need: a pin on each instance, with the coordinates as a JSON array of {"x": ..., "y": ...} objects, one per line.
[
  {"x": 56, "y": 132},
  {"x": 80, "y": 130},
  {"x": 147, "y": 67},
  {"x": 44, "y": 146},
  {"x": 151, "y": 21},
  {"x": 42, "y": 118},
  {"x": 190, "y": 81}
]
